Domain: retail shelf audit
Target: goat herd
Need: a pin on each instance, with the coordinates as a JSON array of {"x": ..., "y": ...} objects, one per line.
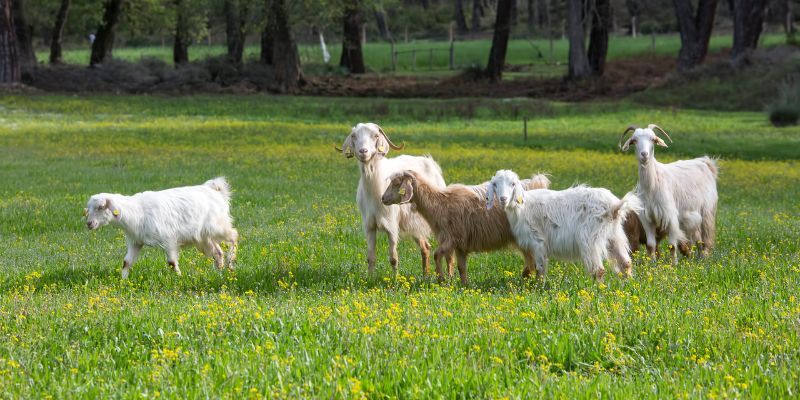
[{"x": 407, "y": 196}]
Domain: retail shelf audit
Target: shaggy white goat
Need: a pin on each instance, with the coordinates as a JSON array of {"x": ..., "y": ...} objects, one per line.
[
  {"x": 169, "y": 219},
  {"x": 369, "y": 144},
  {"x": 679, "y": 198},
  {"x": 577, "y": 223}
]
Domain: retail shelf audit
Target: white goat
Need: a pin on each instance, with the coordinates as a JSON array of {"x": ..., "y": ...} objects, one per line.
[
  {"x": 578, "y": 223},
  {"x": 369, "y": 144},
  {"x": 680, "y": 198},
  {"x": 169, "y": 219}
]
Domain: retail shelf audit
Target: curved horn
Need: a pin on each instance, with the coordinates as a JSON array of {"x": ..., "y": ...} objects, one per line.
[
  {"x": 630, "y": 128},
  {"x": 654, "y": 126},
  {"x": 392, "y": 145},
  {"x": 337, "y": 149}
]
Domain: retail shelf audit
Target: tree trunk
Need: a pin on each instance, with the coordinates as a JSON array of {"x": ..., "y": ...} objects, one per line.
[
  {"x": 788, "y": 23},
  {"x": 24, "y": 34},
  {"x": 578, "y": 61},
  {"x": 267, "y": 40},
  {"x": 103, "y": 45},
  {"x": 477, "y": 12},
  {"x": 352, "y": 56},
  {"x": 383, "y": 27},
  {"x": 514, "y": 12},
  {"x": 235, "y": 18},
  {"x": 9, "y": 61},
  {"x": 58, "y": 32},
  {"x": 634, "y": 9},
  {"x": 695, "y": 31},
  {"x": 533, "y": 11},
  {"x": 502, "y": 29},
  {"x": 180, "y": 47},
  {"x": 598, "y": 36},
  {"x": 748, "y": 20},
  {"x": 461, "y": 19},
  {"x": 285, "y": 56}
]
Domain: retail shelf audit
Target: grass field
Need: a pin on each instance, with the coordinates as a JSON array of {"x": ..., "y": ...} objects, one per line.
[
  {"x": 300, "y": 317},
  {"x": 377, "y": 55}
]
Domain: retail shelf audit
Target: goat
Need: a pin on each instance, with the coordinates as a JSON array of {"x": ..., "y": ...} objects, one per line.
[
  {"x": 458, "y": 216},
  {"x": 369, "y": 144},
  {"x": 680, "y": 198},
  {"x": 170, "y": 219},
  {"x": 579, "y": 222}
]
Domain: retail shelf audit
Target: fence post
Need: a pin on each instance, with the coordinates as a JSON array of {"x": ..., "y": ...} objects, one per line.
[
  {"x": 430, "y": 60},
  {"x": 653, "y": 41},
  {"x": 452, "y": 56},
  {"x": 413, "y": 60},
  {"x": 393, "y": 55},
  {"x": 525, "y": 128}
]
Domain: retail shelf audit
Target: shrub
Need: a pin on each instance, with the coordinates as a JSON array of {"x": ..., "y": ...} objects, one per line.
[{"x": 786, "y": 110}]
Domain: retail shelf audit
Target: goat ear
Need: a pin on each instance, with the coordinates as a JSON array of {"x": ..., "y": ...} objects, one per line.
[
  {"x": 661, "y": 142},
  {"x": 381, "y": 145},
  {"x": 519, "y": 193},
  {"x": 347, "y": 146},
  {"x": 114, "y": 209},
  {"x": 406, "y": 191},
  {"x": 490, "y": 196}
]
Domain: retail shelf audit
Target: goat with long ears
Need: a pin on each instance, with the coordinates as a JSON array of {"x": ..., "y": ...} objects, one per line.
[{"x": 679, "y": 199}]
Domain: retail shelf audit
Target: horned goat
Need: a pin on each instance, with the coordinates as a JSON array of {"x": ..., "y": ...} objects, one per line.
[
  {"x": 679, "y": 199},
  {"x": 458, "y": 216},
  {"x": 170, "y": 219},
  {"x": 369, "y": 144},
  {"x": 577, "y": 223}
]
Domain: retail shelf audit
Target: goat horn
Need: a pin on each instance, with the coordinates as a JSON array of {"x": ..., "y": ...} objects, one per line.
[
  {"x": 337, "y": 149},
  {"x": 654, "y": 126},
  {"x": 392, "y": 145},
  {"x": 630, "y": 128}
]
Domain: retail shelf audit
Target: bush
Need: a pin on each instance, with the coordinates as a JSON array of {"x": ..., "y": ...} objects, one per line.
[{"x": 786, "y": 110}]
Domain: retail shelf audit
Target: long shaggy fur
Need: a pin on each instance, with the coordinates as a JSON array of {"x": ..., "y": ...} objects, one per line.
[
  {"x": 458, "y": 216},
  {"x": 578, "y": 223},
  {"x": 170, "y": 219}
]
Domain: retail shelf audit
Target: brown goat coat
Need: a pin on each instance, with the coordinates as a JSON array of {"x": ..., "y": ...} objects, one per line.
[{"x": 461, "y": 222}]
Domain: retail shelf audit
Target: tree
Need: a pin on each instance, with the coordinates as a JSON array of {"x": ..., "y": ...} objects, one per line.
[
  {"x": 180, "y": 46},
  {"x": 578, "y": 67},
  {"x": 634, "y": 10},
  {"x": 477, "y": 13},
  {"x": 24, "y": 34},
  {"x": 352, "y": 56},
  {"x": 285, "y": 57},
  {"x": 502, "y": 29},
  {"x": 695, "y": 31},
  {"x": 58, "y": 33},
  {"x": 103, "y": 45},
  {"x": 461, "y": 19},
  {"x": 748, "y": 20},
  {"x": 9, "y": 63},
  {"x": 598, "y": 36},
  {"x": 380, "y": 20},
  {"x": 235, "y": 29}
]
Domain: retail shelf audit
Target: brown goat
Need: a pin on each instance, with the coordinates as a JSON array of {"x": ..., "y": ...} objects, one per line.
[{"x": 458, "y": 217}]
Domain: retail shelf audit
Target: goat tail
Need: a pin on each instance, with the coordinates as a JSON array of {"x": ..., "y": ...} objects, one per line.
[
  {"x": 538, "y": 181},
  {"x": 712, "y": 166},
  {"x": 221, "y": 185},
  {"x": 629, "y": 204}
]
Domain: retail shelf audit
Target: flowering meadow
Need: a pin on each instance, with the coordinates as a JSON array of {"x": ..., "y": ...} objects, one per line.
[{"x": 300, "y": 317}]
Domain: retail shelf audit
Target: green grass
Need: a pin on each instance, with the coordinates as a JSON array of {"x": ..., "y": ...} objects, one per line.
[
  {"x": 377, "y": 55},
  {"x": 300, "y": 317}
]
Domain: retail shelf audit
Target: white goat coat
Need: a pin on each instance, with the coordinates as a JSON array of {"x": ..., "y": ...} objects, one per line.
[
  {"x": 399, "y": 219},
  {"x": 573, "y": 224},
  {"x": 190, "y": 215},
  {"x": 684, "y": 191}
]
